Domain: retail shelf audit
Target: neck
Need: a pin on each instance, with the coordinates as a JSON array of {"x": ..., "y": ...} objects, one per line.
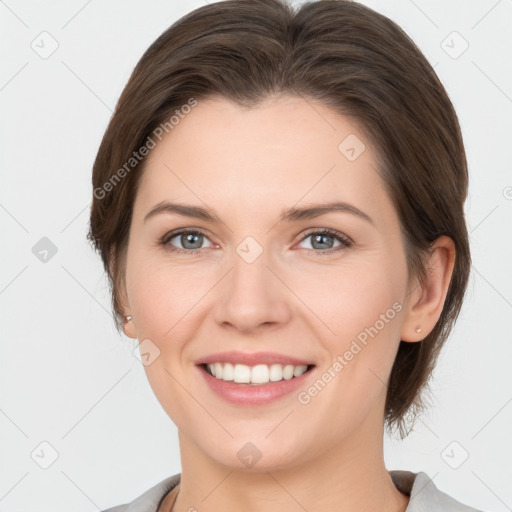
[{"x": 349, "y": 477}]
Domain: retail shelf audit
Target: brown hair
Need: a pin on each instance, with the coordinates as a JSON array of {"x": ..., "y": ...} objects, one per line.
[{"x": 354, "y": 60}]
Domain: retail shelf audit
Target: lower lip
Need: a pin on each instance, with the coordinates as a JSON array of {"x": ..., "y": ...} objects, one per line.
[{"x": 247, "y": 394}]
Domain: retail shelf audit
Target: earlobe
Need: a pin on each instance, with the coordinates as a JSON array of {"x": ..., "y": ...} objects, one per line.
[
  {"x": 129, "y": 327},
  {"x": 128, "y": 323},
  {"x": 117, "y": 265},
  {"x": 427, "y": 298}
]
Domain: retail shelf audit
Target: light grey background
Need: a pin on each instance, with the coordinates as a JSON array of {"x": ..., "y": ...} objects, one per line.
[{"x": 68, "y": 379}]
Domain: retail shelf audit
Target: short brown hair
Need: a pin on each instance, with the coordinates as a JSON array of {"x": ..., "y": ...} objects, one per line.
[{"x": 351, "y": 58}]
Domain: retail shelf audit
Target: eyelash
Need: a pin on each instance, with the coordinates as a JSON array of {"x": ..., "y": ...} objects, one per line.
[{"x": 345, "y": 241}]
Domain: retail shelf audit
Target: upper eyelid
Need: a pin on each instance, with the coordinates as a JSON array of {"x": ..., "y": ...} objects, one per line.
[{"x": 182, "y": 231}]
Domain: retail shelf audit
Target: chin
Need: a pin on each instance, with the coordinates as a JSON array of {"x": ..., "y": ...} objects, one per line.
[{"x": 256, "y": 453}]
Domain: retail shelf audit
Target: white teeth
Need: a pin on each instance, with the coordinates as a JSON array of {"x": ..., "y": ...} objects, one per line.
[
  {"x": 242, "y": 374},
  {"x": 276, "y": 372},
  {"x": 259, "y": 374},
  {"x": 228, "y": 372},
  {"x": 288, "y": 372},
  {"x": 299, "y": 370}
]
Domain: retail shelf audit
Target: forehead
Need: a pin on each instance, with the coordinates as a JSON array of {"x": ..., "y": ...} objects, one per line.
[{"x": 285, "y": 150}]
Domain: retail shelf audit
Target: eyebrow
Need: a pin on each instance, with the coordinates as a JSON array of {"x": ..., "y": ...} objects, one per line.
[{"x": 289, "y": 215}]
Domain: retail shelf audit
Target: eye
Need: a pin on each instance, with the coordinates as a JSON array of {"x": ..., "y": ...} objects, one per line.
[
  {"x": 324, "y": 241},
  {"x": 191, "y": 241},
  {"x": 188, "y": 240}
]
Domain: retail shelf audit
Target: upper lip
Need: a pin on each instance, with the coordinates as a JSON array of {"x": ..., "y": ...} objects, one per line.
[{"x": 252, "y": 359}]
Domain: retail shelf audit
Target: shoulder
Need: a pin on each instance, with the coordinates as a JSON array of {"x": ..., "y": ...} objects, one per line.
[
  {"x": 424, "y": 495},
  {"x": 151, "y": 499}
]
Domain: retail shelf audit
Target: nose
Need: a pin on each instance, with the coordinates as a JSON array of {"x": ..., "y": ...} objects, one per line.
[{"x": 253, "y": 295}]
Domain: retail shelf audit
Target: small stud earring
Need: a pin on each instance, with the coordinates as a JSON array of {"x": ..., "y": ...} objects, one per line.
[
  {"x": 129, "y": 318},
  {"x": 418, "y": 329}
]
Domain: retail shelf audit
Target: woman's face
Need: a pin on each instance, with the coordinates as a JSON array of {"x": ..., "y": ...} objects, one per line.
[{"x": 257, "y": 288}]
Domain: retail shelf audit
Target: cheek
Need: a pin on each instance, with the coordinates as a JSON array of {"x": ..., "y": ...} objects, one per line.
[
  {"x": 162, "y": 295},
  {"x": 360, "y": 307},
  {"x": 346, "y": 300},
  {"x": 162, "y": 299}
]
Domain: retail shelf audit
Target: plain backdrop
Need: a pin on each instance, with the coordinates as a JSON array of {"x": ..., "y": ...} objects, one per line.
[{"x": 73, "y": 397}]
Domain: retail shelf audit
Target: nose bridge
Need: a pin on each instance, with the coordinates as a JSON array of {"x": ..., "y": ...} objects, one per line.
[{"x": 252, "y": 294}]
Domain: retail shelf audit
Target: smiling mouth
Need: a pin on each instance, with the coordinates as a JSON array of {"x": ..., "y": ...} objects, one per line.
[{"x": 256, "y": 375}]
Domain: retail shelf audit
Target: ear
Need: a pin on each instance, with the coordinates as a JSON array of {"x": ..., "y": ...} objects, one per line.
[{"x": 427, "y": 297}]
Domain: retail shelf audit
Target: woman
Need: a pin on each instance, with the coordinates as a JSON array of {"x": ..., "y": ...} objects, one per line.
[{"x": 278, "y": 203}]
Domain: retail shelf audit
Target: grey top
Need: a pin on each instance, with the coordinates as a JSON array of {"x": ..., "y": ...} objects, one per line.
[{"x": 424, "y": 495}]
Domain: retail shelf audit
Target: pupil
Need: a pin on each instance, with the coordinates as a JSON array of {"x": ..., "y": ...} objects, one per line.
[{"x": 189, "y": 237}]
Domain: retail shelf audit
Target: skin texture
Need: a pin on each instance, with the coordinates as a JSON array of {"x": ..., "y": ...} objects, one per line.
[{"x": 248, "y": 165}]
